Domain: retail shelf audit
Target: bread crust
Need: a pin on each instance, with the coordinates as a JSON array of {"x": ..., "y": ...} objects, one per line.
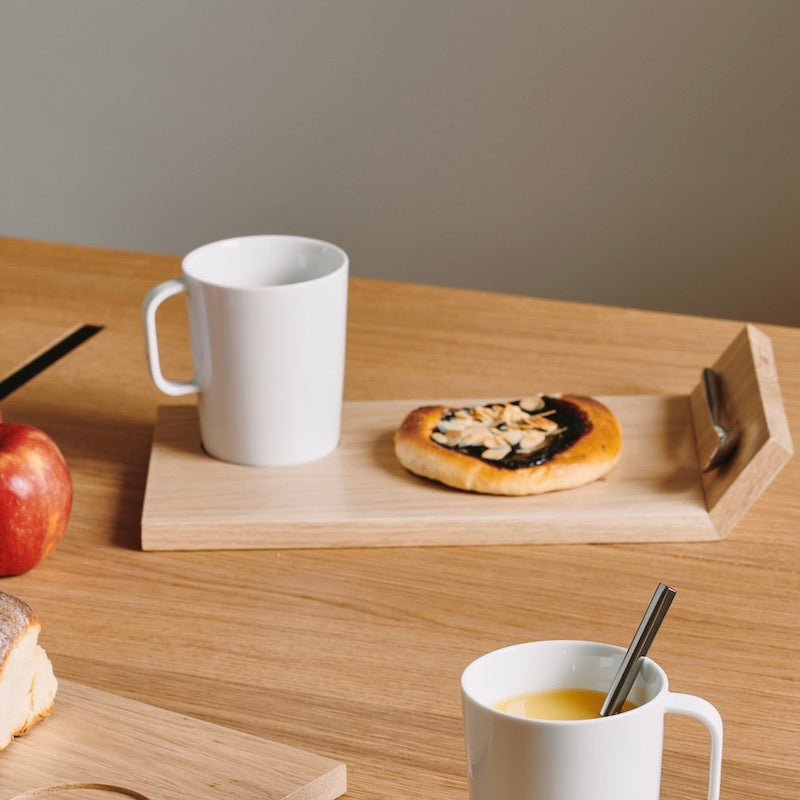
[
  {"x": 16, "y": 617},
  {"x": 588, "y": 458}
]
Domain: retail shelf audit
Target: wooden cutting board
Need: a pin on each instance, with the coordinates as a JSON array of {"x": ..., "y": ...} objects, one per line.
[
  {"x": 360, "y": 496},
  {"x": 99, "y": 746}
]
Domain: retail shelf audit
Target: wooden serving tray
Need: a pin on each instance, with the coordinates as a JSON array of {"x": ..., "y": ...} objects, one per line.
[
  {"x": 99, "y": 746},
  {"x": 360, "y": 496}
]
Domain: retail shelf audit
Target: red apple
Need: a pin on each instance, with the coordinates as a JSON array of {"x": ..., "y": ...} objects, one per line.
[{"x": 35, "y": 497}]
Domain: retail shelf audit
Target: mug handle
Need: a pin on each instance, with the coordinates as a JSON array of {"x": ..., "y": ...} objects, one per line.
[
  {"x": 702, "y": 710},
  {"x": 154, "y": 298}
]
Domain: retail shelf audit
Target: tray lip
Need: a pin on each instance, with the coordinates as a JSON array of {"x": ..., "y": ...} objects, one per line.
[{"x": 750, "y": 381}]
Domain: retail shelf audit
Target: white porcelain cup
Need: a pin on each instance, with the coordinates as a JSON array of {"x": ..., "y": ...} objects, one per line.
[
  {"x": 605, "y": 758},
  {"x": 267, "y": 321}
]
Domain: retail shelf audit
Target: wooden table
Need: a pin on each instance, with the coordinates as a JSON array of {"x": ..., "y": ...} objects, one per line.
[{"x": 356, "y": 654}]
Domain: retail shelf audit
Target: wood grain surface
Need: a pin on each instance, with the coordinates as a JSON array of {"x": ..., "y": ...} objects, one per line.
[{"x": 355, "y": 654}]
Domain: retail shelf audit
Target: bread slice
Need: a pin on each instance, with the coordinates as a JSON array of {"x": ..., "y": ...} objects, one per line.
[{"x": 27, "y": 683}]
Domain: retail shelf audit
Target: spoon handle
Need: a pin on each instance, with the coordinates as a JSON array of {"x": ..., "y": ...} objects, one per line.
[
  {"x": 643, "y": 638},
  {"x": 711, "y": 387}
]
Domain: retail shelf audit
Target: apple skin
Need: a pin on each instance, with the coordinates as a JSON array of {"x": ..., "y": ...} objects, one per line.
[{"x": 35, "y": 497}]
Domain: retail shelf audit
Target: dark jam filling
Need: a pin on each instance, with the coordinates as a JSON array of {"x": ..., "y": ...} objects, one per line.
[{"x": 571, "y": 419}]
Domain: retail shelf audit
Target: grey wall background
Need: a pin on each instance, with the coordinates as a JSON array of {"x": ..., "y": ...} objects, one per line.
[{"x": 629, "y": 152}]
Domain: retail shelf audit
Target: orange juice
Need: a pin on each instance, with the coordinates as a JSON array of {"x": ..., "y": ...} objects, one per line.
[{"x": 557, "y": 704}]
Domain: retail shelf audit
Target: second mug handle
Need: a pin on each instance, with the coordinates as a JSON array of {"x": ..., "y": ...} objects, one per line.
[
  {"x": 152, "y": 301},
  {"x": 702, "y": 710}
]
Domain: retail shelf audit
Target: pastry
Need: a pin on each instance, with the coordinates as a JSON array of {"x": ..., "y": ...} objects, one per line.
[{"x": 533, "y": 445}]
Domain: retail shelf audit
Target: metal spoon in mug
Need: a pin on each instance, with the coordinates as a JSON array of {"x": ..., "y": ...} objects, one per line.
[{"x": 632, "y": 661}]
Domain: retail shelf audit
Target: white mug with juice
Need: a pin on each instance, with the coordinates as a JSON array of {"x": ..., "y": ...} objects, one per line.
[{"x": 566, "y": 752}]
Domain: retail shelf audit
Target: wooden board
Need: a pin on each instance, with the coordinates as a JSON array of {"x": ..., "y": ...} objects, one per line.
[
  {"x": 99, "y": 746},
  {"x": 361, "y": 496}
]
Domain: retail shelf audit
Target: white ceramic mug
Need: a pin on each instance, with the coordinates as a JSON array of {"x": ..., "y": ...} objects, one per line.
[
  {"x": 605, "y": 758},
  {"x": 267, "y": 320}
]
